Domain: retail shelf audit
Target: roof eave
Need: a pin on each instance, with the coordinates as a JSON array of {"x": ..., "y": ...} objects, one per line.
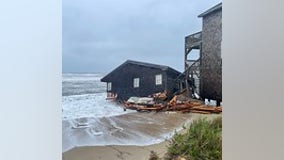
[
  {"x": 211, "y": 10},
  {"x": 144, "y": 64}
]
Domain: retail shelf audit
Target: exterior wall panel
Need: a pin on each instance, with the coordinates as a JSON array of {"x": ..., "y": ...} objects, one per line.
[
  {"x": 211, "y": 62},
  {"x": 122, "y": 81}
]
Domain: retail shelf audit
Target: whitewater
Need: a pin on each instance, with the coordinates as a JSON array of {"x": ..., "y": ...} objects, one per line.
[
  {"x": 88, "y": 119},
  {"x": 83, "y": 96}
]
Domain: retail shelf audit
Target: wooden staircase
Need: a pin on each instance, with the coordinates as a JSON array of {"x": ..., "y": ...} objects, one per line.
[
  {"x": 192, "y": 67},
  {"x": 194, "y": 78}
]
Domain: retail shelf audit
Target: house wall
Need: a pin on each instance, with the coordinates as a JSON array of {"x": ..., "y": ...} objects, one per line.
[
  {"x": 211, "y": 62},
  {"x": 172, "y": 84},
  {"x": 122, "y": 83}
]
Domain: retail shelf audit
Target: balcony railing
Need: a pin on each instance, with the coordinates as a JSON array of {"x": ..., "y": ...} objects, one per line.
[{"x": 193, "y": 40}]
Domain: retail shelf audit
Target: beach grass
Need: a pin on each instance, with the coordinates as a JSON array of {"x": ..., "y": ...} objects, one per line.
[{"x": 201, "y": 141}]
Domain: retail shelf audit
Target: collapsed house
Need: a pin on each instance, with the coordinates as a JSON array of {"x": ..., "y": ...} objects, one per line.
[
  {"x": 204, "y": 75},
  {"x": 140, "y": 79},
  {"x": 151, "y": 87}
]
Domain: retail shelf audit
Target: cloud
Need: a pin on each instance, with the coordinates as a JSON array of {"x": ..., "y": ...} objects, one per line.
[{"x": 98, "y": 35}]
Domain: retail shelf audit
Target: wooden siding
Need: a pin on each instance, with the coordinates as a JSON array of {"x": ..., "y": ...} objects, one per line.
[
  {"x": 122, "y": 81},
  {"x": 211, "y": 62}
]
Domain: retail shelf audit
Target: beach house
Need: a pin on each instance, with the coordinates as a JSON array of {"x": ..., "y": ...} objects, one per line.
[
  {"x": 204, "y": 75},
  {"x": 140, "y": 79}
]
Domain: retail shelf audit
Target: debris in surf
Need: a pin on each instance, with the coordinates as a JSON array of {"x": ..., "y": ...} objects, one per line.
[{"x": 179, "y": 103}]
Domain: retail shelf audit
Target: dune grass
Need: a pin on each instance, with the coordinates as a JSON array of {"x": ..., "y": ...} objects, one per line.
[{"x": 202, "y": 141}]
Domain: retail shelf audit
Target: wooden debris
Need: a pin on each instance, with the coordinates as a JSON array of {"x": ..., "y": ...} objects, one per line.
[
  {"x": 183, "y": 107},
  {"x": 202, "y": 112},
  {"x": 173, "y": 101},
  {"x": 111, "y": 96},
  {"x": 177, "y": 103},
  {"x": 196, "y": 103},
  {"x": 162, "y": 96}
]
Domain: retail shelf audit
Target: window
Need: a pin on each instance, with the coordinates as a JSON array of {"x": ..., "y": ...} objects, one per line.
[
  {"x": 136, "y": 82},
  {"x": 109, "y": 86},
  {"x": 158, "y": 79}
]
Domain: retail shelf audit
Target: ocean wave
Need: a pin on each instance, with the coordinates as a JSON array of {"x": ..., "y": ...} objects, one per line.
[
  {"x": 81, "y": 93},
  {"x": 82, "y": 79},
  {"x": 81, "y": 74},
  {"x": 80, "y": 84},
  {"x": 89, "y": 105}
]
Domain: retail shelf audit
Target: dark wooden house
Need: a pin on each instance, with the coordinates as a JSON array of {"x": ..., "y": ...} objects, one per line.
[
  {"x": 140, "y": 79},
  {"x": 206, "y": 72}
]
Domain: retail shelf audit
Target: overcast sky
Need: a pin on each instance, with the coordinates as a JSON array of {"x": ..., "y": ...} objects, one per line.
[{"x": 99, "y": 35}]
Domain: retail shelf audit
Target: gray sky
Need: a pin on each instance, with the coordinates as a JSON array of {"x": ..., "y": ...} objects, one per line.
[{"x": 99, "y": 35}]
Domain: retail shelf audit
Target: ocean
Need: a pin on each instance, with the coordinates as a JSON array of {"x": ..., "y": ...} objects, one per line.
[
  {"x": 88, "y": 119},
  {"x": 83, "y": 95}
]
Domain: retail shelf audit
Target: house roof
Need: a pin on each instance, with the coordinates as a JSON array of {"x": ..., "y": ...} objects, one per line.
[
  {"x": 162, "y": 67},
  {"x": 149, "y": 65},
  {"x": 211, "y": 10}
]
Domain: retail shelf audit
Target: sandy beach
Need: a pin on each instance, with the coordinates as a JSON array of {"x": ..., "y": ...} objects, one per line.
[
  {"x": 134, "y": 152},
  {"x": 114, "y": 152},
  {"x": 135, "y": 128}
]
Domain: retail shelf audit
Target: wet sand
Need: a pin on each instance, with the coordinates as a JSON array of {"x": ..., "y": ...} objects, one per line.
[
  {"x": 139, "y": 129},
  {"x": 129, "y": 129},
  {"x": 115, "y": 152}
]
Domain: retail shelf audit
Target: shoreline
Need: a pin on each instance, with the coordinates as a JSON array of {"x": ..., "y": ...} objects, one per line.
[
  {"x": 115, "y": 152},
  {"x": 125, "y": 152},
  {"x": 139, "y": 129}
]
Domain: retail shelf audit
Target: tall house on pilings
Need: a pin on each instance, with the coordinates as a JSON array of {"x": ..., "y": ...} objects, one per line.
[{"x": 204, "y": 75}]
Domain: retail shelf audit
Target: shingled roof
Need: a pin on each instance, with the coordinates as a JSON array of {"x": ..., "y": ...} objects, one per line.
[
  {"x": 211, "y": 10},
  {"x": 149, "y": 65},
  {"x": 162, "y": 67}
]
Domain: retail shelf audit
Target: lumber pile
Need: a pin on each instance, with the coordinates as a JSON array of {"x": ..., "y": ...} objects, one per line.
[
  {"x": 141, "y": 107},
  {"x": 177, "y": 103},
  {"x": 161, "y": 96},
  {"x": 204, "y": 109}
]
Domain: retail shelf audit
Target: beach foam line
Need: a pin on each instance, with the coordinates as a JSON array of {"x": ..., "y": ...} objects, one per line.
[{"x": 137, "y": 129}]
